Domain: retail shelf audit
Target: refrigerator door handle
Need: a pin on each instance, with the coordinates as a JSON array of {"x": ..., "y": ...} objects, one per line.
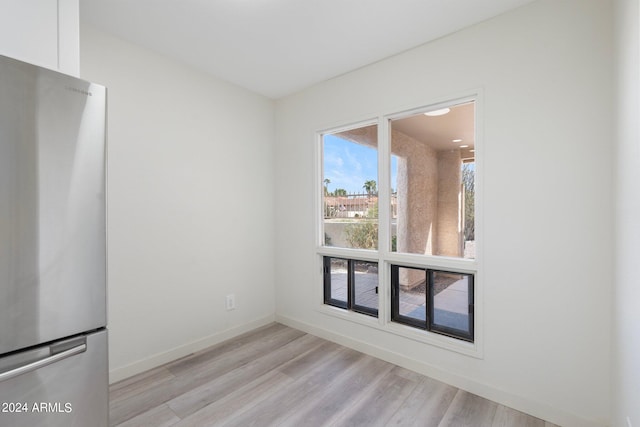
[{"x": 29, "y": 367}]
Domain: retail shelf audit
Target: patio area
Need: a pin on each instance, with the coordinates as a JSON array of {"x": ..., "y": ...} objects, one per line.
[{"x": 450, "y": 303}]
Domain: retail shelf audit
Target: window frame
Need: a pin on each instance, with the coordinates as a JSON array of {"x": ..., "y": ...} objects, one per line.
[
  {"x": 428, "y": 323},
  {"x": 395, "y": 299},
  {"x": 384, "y": 256},
  {"x": 431, "y": 306},
  {"x": 328, "y": 296},
  {"x": 351, "y": 303}
]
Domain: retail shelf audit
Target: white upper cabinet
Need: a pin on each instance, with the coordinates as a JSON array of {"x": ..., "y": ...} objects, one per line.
[{"x": 42, "y": 32}]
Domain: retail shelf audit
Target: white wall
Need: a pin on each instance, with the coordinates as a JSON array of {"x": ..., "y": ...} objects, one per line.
[
  {"x": 626, "y": 304},
  {"x": 43, "y": 32},
  {"x": 546, "y": 261},
  {"x": 190, "y": 204}
]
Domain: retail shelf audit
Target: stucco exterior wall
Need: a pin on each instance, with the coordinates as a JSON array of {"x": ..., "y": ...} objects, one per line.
[{"x": 449, "y": 220}]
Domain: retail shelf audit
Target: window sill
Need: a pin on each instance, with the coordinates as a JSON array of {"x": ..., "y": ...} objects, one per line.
[{"x": 442, "y": 341}]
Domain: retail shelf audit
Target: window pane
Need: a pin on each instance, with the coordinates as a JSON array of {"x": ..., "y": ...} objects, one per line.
[
  {"x": 350, "y": 177},
  {"x": 452, "y": 298},
  {"x": 336, "y": 281},
  {"x": 432, "y": 183},
  {"x": 410, "y": 287},
  {"x": 365, "y": 285}
]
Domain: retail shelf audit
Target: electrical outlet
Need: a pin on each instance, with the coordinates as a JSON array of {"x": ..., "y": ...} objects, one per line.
[{"x": 231, "y": 302}]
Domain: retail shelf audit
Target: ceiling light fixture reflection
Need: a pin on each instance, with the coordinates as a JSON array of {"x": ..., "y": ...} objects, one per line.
[
  {"x": 456, "y": 140},
  {"x": 440, "y": 112}
]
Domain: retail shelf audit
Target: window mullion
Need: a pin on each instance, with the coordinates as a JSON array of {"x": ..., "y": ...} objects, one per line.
[
  {"x": 384, "y": 218},
  {"x": 384, "y": 159},
  {"x": 350, "y": 284},
  {"x": 429, "y": 298}
]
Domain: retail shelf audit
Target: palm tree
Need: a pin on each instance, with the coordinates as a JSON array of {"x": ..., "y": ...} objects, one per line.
[
  {"x": 327, "y": 181},
  {"x": 370, "y": 187}
]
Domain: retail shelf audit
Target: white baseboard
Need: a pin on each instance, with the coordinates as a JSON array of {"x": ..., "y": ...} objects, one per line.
[
  {"x": 536, "y": 409},
  {"x": 159, "y": 359}
]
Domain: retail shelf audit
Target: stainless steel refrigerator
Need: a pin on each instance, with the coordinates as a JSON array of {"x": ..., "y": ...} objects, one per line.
[{"x": 53, "y": 338}]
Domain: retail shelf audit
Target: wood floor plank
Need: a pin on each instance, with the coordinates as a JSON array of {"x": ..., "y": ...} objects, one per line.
[
  {"x": 469, "y": 410},
  {"x": 248, "y": 346},
  {"x": 199, "y": 397},
  {"x": 140, "y": 384},
  {"x": 307, "y": 362},
  {"x": 224, "y": 409},
  {"x": 506, "y": 417},
  {"x": 271, "y": 411},
  {"x": 376, "y": 407},
  {"x": 426, "y": 405},
  {"x": 200, "y": 373},
  {"x": 160, "y": 416},
  {"x": 279, "y": 376},
  {"x": 337, "y": 397}
]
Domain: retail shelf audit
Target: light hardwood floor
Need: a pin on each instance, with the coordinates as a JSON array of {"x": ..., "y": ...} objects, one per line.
[{"x": 279, "y": 376}]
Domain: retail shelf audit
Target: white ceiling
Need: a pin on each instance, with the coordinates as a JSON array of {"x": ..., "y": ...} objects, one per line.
[{"x": 277, "y": 47}]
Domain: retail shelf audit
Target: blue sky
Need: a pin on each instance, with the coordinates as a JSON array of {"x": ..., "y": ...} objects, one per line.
[{"x": 348, "y": 165}]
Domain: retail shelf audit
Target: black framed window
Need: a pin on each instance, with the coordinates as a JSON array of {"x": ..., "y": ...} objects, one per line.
[
  {"x": 351, "y": 284},
  {"x": 436, "y": 300},
  {"x": 336, "y": 282}
]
